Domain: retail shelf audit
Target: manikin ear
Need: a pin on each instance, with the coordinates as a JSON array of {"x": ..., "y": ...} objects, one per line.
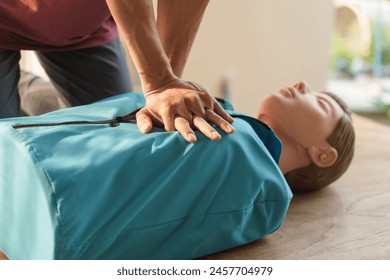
[{"x": 323, "y": 157}]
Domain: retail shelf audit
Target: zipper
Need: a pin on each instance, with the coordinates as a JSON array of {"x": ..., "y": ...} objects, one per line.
[{"x": 128, "y": 118}]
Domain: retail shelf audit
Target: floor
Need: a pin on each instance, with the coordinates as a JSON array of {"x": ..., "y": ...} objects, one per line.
[{"x": 348, "y": 220}]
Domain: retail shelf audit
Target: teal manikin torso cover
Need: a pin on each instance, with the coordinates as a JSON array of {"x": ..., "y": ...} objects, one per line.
[{"x": 95, "y": 191}]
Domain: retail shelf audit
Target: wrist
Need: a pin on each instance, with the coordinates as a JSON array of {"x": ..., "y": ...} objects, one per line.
[{"x": 155, "y": 84}]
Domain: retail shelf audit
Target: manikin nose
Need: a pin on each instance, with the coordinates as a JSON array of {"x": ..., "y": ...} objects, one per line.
[{"x": 301, "y": 87}]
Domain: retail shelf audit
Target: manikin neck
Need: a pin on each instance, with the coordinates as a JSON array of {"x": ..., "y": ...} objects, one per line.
[{"x": 294, "y": 155}]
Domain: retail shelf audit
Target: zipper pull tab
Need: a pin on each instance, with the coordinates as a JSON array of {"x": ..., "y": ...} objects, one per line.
[
  {"x": 130, "y": 117},
  {"x": 115, "y": 122}
]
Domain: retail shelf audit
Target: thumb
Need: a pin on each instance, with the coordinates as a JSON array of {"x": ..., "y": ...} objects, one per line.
[{"x": 144, "y": 121}]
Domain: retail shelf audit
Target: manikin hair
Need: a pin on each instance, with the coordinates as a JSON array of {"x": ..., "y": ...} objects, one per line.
[{"x": 312, "y": 177}]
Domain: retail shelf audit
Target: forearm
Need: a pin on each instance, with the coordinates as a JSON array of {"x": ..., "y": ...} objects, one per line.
[
  {"x": 178, "y": 22},
  {"x": 135, "y": 19},
  {"x": 159, "y": 52}
]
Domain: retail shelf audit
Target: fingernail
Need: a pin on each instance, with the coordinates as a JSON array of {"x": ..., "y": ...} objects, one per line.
[
  {"x": 191, "y": 137},
  {"x": 215, "y": 135},
  {"x": 229, "y": 128}
]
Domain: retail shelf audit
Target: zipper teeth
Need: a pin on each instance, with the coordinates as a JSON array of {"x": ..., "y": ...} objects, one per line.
[
  {"x": 130, "y": 117},
  {"x": 112, "y": 122}
]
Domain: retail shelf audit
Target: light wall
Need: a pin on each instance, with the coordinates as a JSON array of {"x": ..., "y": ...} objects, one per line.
[{"x": 261, "y": 45}]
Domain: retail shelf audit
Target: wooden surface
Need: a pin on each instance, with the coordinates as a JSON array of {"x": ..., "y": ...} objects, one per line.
[{"x": 348, "y": 220}]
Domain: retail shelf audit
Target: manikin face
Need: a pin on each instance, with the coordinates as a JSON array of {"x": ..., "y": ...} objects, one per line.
[{"x": 306, "y": 116}]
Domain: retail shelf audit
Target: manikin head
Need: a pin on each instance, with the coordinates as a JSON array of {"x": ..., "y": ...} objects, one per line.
[{"x": 316, "y": 132}]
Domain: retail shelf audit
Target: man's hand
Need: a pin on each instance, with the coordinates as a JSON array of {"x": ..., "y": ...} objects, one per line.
[
  {"x": 172, "y": 103},
  {"x": 184, "y": 106}
]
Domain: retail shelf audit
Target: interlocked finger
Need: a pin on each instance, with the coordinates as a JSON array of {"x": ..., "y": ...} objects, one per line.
[
  {"x": 184, "y": 128},
  {"x": 184, "y": 113},
  {"x": 168, "y": 120},
  {"x": 222, "y": 113},
  {"x": 216, "y": 119},
  {"x": 204, "y": 127},
  {"x": 195, "y": 104}
]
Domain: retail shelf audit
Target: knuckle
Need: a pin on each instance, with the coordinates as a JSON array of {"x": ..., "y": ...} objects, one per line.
[
  {"x": 164, "y": 109},
  {"x": 193, "y": 98}
]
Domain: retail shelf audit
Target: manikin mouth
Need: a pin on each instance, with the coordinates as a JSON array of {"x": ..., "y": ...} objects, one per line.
[{"x": 288, "y": 92}]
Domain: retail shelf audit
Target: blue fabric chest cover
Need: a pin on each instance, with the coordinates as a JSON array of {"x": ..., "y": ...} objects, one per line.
[{"x": 101, "y": 192}]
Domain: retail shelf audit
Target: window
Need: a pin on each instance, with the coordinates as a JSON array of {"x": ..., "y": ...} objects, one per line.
[{"x": 360, "y": 54}]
